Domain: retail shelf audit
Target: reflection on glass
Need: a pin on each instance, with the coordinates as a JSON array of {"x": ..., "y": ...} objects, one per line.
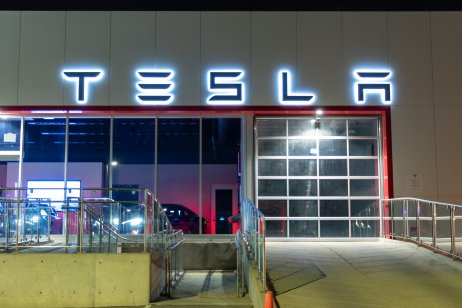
[
  {"x": 333, "y": 187},
  {"x": 303, "y": 208},
  {"x": 364, "y": 187},
  {"x": 303, "y": 188},
  {"x": 133, "y": 150},
  {"x": 332, "y": 167},
  {"x": 178, "y": 169},
  {"x": 366, "y": 147},
  {"x": 272, "y": 147},
  {"x": 272, "y": 167},
  {"x": 332, "y": 127},
  {"x": 364, "y": 208},
  {"x": 334, "y": 228},
  {"x": 44, "y": 141},
  {"x": 364, "y": 167},
  {"x": 276, "y": 228},
  {"x": 272, "y": 187},
  {"x": 273, "y": 208},
  {"x": 362, "y": 127},
  {"x": 220, "y": 157},
  {"x": 302, "y": 167},
  {"x": 302, "y": 147},
  {"x": 332, "y": 147},
  {"x": 10, "y": 130},
  {"x": 270, "y": 128},
  {"x": 301, "y": 127},
  {"x": 333, "y": 208},
  {"x": 303, "y": 228},
  {"x": 89, "y": 151},
  {"x": 364, "y": 228}
]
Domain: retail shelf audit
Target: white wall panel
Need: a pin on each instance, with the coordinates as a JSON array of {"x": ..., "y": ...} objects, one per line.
[
  {"x": 449, "y": 147},
  {"x": 9, "y": 57},
  {"x": 364, "y": 46},
  {"x": 132, "y": 47},
  {"x": 273, "y": 48},
  {"x": 225, "y": 38},
  {"x": 447, "y": 51},
  {"x": 87, "y": 46},
  {"x": 414, "y": 153},
  {"x": 411, "y": 58},
  {"x": 319, "y": 56},
  {"x": 178, "y": 47},
  {"x": 41, "y": 58}
]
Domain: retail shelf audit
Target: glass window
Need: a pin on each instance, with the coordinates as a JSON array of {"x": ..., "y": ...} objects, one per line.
[
  {"x": 303, "y": 188},
  {"x": 133, "y": 151},
  {"x": 364, "y": 187},
  {"x": 221, "y": 138},
  {"x": 334, "y": 228},
  {"x": 364, "y": 167},
  {"x": 302, "y": 167},
  {"x": 302, "y": 147},
  {"x": 333, "y": 167},
  {"x": 276, "y": 228},
  {"x": 367, "y": 147},
  {"x": 303, "y": 208},
  {"x": 272, "y": 127},
  {"x": 332, "y": 127},
  {"x": 178, "y": 169},
  {"x": 301, "y": 127},
  {"x": 273, "y": 208},
  {"x": 333, "y": 208},
  {"x": 272, "y": 167},
  {"x": 365, "y": 228},
  {"x": 10, "y": 134},
  {"x": 272, "y": 188},
  {"x": 303, "y": 228},
  {"x": 362, "y": 127},
  {"x": 272, "y": 147},
  {"x": 88, "y": 158},
  {"x": 364, "y": 208},
  {"x": 333, "y": 187},
  {"x": 332, "y": 147}
]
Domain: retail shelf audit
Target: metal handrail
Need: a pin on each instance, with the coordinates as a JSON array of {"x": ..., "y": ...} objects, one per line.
[
  {"x": 430, "y": 224},
  {"x": 252, "y": 236}
]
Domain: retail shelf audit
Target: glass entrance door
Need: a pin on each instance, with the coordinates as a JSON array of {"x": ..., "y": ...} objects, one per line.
[{"x": 319, "y": 176}]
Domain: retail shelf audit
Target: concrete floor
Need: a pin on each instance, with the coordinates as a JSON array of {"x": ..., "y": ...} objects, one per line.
[{"x": 380, "y": 273}]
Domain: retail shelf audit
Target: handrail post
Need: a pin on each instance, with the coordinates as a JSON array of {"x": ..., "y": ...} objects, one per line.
[
  {"x": 392, "y": 221},
  {"x": 18, "y": 219},
  {"x": 453, "y": 232},
  {"x": 145, "y": 219},
  {"x": 418, "y": 221},
  {"x": 434, "y": 226},
  {"x": 405, "y": 221},
  {"x": 80, "y": 221}
]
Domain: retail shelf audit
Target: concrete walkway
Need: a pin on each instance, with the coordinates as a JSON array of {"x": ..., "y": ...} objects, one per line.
[{"x": 380, "y": 273}]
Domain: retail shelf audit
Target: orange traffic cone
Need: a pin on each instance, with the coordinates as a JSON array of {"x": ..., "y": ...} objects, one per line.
[{"x": 269, "y": 299}]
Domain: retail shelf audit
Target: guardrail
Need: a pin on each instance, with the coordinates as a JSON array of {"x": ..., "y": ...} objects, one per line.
[
  {"x": 435, "y": 225},
  {"x": 251, "y": 239},
  {"x": 93, "y": 220}
]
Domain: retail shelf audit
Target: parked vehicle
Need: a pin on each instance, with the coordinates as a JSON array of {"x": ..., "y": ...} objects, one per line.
[{"x": 183, "y": 218}]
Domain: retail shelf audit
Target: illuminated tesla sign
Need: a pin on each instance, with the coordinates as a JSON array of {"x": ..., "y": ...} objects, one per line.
[
  {"x": 227, "y": 87},
  {"x": 82, "y": 78}
]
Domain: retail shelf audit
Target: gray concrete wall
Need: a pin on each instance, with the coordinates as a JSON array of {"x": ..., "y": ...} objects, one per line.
[
  {"x": 209, "y": 256},
  {"x": 74, "y": 280}
]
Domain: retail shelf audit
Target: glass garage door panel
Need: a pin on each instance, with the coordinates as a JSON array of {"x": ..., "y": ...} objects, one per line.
[{"x": 319, "y": 177}]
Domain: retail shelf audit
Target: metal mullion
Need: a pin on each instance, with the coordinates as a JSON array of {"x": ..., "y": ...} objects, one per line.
[
  {"x": 349, "y": 177},
  {"x": 288, "y": 179},
  {"x": 318, "y": 182}
]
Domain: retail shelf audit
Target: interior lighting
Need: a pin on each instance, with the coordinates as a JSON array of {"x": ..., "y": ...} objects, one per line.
[{"x": 114, "y": 163}]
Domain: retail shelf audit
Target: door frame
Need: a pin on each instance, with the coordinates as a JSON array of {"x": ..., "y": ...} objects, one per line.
[{"x": 213, "y": 219}]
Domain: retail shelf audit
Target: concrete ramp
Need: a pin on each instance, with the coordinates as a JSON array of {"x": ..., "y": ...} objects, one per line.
[
  {"x": 382, "y": 273},
  {"x": 205, "y": 289}
]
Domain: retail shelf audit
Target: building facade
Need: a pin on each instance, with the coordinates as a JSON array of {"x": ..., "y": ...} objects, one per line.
[{"x": 315, "y": 116}]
